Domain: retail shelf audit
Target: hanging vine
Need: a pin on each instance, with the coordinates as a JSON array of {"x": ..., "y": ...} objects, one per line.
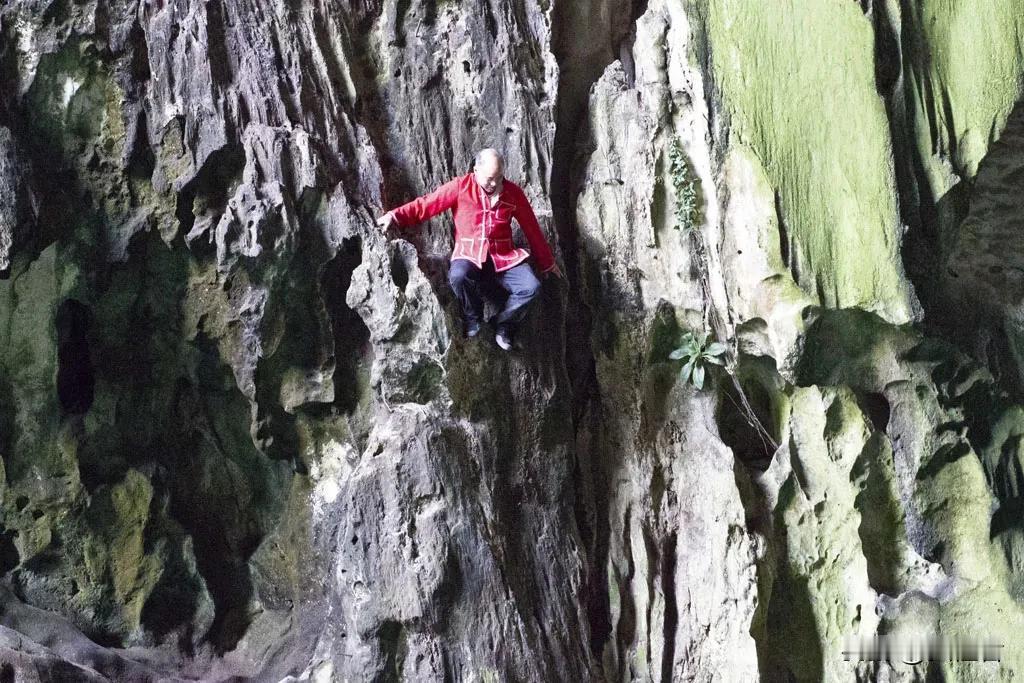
[{"x": 696, "y": 351}]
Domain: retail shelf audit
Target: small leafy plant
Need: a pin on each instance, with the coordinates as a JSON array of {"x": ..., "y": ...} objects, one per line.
[
  {"x": 685, "y": 187},
  {"x": 696, "y": 353}
]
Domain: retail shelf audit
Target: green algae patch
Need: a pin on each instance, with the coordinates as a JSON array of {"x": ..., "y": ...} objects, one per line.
[
  {"x": 121, "y": 513},
  {"x": 71, "y": 98},
  {"x": 955, "y": 499},
  {"x": 882, "y": 528},
  {"x": 286, "y": 564},
  {"x": 38, "y": 451},
  {"x": 78, "y": 126},
  {"x": 821, "y": 592},
  {"x": 953, "y": 495},
  {"x": 798, "y": 86},
  {"x": 967, "y": 70}
]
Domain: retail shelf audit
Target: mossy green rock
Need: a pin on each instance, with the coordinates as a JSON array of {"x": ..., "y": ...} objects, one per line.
[
  {"x": 966, "y": 61},
  {"x": 822, "y": 134}
]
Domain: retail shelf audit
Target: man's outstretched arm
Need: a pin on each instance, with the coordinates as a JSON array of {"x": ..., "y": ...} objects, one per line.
[
  {"x": 538, "y": 245},
  {"x": 422, "y": 208}
]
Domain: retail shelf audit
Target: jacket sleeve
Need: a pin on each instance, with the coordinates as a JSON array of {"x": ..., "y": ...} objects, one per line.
[
  {"x": 427, "y": 206},
  {"x": 528, "y": 222}
]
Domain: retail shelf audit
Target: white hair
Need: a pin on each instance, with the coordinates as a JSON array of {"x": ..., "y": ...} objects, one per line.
[{"x": 489, "y": 153}]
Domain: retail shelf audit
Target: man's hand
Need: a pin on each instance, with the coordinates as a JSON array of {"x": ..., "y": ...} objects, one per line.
[
  {"x": 386, "y": 221},
  {"x": 554, "y": 271}
]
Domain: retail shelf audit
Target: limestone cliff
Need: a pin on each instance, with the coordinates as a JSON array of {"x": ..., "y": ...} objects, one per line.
[{"x": 242, "y": 437}]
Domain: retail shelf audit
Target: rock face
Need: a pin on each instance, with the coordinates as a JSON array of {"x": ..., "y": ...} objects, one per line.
[{"x": 243, "y": 437}]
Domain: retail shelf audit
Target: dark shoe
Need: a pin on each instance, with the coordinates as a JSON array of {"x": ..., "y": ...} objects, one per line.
[
  {"x": 504, "y": 338},
  {"x": 472, "y": 328}
]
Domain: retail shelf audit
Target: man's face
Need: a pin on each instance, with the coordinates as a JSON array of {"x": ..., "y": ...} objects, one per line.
[{"x": 488, "y": 175}]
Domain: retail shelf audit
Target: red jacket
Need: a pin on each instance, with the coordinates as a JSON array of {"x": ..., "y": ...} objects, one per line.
[{"x": 480, "y": 229}]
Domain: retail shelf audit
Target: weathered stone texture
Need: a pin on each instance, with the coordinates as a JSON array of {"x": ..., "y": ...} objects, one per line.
[{"x": 242, "y": 435}]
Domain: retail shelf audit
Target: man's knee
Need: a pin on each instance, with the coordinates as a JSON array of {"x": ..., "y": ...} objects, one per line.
[
  {"x": 459, "y": 272},
  {"x": 527, "y": 285}
]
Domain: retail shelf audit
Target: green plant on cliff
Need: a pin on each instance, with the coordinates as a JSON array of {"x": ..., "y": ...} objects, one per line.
[
  {"x": 696, "y": 353},
  {"x": 685, "y": 187}
]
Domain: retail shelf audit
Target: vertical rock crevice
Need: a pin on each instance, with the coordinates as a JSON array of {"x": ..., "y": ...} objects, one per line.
[{"x": 580, "y": 64}]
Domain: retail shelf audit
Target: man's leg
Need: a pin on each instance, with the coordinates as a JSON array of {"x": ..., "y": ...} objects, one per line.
[
  {"x": 464, "y": 277},
  {"x": 522, "y": 287}
]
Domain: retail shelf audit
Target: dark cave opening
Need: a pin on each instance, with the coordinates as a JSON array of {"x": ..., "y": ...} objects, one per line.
[
  {"x": 76, "y": 381},
  {"x": 351, "y": 336},
  {"x": 743, "y": 430},
  {"x": 876, "y": 407},
  {"x": 399, "y": 273},
  {"x": 9, "y": 556}
]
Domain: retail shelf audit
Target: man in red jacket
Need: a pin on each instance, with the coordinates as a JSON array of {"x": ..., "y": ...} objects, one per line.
[{"x": 484, "y": 203}]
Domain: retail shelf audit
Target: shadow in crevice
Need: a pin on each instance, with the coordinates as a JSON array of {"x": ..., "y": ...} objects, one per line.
[
  {"x": 9, "y": 555},
  {"x": 758, "y": 519},
  {"x": 594, "y": 527},
  {"x": 350, "y": 334},
  {"x": 217, "y": 51},
  {"x": 8, "y": 425},
  {"x": 748, "y": 413},
  {"x": 668, "y": 585},
  {"x": 955, "y": 306},
  {"x": 882, "y": 528},
  {"x": 1009, "y": 515},
  {"x": 580, "y": 65},
  {"x": 876, "y": 408},
  {"x": 215, "y": 454},
  {"x": 625, "y": 633},
  {"x": 741, "y": 431},
  {"x": 175, "y": 599},
  {"x": 793, "y": 649},
  {"x": 208, "y": 192}
]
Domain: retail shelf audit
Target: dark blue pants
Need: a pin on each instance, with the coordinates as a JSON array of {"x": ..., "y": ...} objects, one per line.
[{"x": 470, "y": 284}]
